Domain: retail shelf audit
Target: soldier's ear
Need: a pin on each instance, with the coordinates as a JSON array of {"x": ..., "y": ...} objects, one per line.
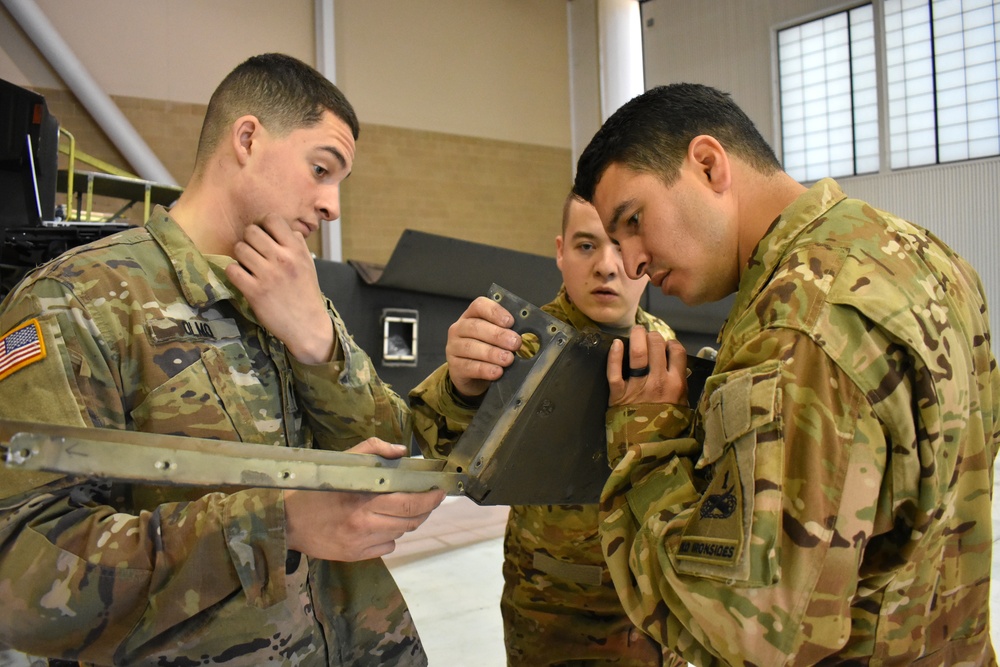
[
  {"x": 244, "y": 133},
  {"x": 710, "y": 162}
]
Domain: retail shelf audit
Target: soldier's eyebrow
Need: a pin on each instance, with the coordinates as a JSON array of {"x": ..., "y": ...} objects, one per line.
[
  {"x": 618, "y": 212},
  {"x": 584, "y": 235},
  {"x": 335, "y": 152}
]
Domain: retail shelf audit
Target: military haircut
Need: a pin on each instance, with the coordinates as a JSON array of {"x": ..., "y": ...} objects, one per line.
[
  {"x": 651, "y": 133},
  {"x": 567, "y": 205},
  {"x": 283, "y": 93}
]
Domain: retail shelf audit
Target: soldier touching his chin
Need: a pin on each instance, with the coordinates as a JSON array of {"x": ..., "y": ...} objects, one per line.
[{"x": 209, "y": 322}]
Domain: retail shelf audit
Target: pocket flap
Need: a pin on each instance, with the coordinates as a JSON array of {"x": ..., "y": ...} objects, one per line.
[{"x": 746, "y": 400}]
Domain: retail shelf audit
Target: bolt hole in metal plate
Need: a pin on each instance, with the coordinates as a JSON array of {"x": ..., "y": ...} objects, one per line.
[{"x": 539, "y": 437}]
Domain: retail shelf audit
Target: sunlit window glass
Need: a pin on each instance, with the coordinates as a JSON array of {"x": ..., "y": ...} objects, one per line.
[
  {"x": 829, "y": 98},
  {"x": 941, "y": 73}
]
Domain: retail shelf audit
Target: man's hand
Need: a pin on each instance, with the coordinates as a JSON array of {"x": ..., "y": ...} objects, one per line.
[
  {"x": 276, "y": 274},
  {"x": 480, "y": 345},
  {"x": 353, "y": 526},
  {"x": 658, "y": 370}
]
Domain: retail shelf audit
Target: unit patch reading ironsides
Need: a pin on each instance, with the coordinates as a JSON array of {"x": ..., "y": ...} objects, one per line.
[{"x": 714, "y": 533}]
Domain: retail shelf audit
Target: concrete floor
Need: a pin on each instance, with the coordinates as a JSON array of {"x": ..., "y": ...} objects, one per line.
[{"x": 449, "y": 572}]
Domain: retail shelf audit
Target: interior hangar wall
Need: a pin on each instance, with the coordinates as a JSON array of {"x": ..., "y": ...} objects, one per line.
[{"x": 462, "y": 134}]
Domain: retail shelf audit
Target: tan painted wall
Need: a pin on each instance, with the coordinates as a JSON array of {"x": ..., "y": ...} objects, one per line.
[
  {"x": 497, "y": 69},
  {"x": 177, "y": 50},
  {"x": 464, "y": 106},
  {"x": 495, "y": 192}
]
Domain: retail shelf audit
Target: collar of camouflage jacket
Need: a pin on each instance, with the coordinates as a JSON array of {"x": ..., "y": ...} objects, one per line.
[
  {"x": 200, "y": 283},
  {"x": 800, "y": 214}
]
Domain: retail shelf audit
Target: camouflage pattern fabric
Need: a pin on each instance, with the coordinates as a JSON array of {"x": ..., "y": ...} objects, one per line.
[
  {"x": 830, "y": 503},
  {"x": 558, "y": 604},
  {"x": 142, "y": 332}
]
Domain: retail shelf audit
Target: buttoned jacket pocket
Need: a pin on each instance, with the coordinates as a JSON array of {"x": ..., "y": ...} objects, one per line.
[{"x": 216, "y": 396}]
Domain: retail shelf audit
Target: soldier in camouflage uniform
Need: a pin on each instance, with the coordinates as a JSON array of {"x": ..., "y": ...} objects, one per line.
[
  {"x": 558, "y": 604},
  {"x": 828, "y": 499},
  {"x": 209, "y": 322}
]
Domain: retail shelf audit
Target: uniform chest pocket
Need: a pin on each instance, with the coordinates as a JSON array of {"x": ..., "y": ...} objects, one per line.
[
  {"x": 732, "y": 533},
  {"x": 217, "y": 396}
]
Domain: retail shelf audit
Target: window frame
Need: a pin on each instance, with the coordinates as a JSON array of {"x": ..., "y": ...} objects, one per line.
[
  {"x": 882, "y": 91},
  {"x": 779, "y": 104}
]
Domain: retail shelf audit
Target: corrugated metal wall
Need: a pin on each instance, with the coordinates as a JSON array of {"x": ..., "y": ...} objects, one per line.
[{"x": 728, "y": 44}]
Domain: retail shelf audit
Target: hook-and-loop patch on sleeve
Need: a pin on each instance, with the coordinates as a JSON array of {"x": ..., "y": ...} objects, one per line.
[
  {"x": 742, "y": 446},
  {"x": 21, "y": 347}
]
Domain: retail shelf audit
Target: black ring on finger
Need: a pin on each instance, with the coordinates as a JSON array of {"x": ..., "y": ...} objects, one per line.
[{"x": 639, "y": 372}]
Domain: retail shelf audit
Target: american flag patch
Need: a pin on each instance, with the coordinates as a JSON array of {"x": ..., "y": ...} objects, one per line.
[{"x": 21, "y": 347}]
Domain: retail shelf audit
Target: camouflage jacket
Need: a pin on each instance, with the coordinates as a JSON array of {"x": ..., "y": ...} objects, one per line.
[
  {"x": 558, "y": 599},
  {"x": 140, "y": 331},
  {"x": 829, "y": 500}
]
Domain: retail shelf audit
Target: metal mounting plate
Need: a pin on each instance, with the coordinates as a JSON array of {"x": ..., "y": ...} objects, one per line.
[{"x": 539, "y": 438}]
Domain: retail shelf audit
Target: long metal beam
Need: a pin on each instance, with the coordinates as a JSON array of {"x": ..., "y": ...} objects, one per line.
[{"x": 172, "y": 460}]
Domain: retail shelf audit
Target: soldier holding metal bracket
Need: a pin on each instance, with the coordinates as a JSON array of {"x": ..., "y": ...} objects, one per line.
[
  {"x": 558, "y": 604},
  {"x": 209, "y": 322},
  {"x": 828, "y": 499}
]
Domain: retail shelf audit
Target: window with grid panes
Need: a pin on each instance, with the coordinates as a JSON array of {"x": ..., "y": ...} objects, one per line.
[
  {"x": 941, "y": 73},
  {"x": 829, "y": 96}
]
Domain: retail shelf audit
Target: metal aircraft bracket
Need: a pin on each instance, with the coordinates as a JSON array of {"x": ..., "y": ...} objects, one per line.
[{"x": 539, "y": 437}]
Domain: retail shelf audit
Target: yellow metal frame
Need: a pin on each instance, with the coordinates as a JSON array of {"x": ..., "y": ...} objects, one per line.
[
  {"x": 71, "y": 152},
  {"x": 74, "y": 155}
]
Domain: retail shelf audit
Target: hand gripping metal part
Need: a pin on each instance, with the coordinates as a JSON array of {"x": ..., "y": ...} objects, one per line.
[{"x": 537, "y": 439}]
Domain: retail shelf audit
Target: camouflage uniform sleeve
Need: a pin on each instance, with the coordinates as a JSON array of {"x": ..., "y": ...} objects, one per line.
[
  {"x": 734, "y": 546},
  {"x": 75, "y": 574},
  {"x": 439, "y": 415},
  {"x": 658, "y": 325},
  {"x": 345, "y": 399}
]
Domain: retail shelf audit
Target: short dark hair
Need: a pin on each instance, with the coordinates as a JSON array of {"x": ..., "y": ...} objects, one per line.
[
  {"x": 283, "y": 93},
  {"x": 571, "y": 198},
  {"x": 651, "y": 133}
]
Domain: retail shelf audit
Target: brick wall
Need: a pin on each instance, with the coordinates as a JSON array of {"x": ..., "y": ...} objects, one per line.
[
  {"x": 171, "y": 129},
  {"x": 496, "y": 192}
]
